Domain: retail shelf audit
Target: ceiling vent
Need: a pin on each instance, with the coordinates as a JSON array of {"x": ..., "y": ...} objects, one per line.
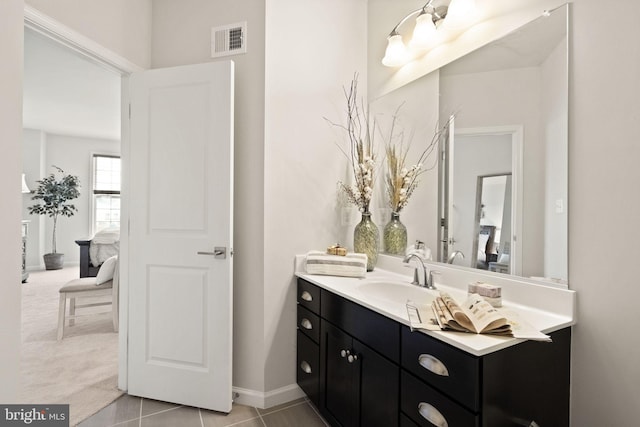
[{"x": 229, "y": 40}]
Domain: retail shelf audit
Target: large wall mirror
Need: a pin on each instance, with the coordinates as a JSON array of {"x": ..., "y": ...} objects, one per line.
[
  {"x": 504, "y": 176},
  {"x": 501, "y": 181}
]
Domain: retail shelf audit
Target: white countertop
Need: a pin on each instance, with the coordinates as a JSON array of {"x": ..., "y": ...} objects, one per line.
[{"x": 530, "y": 303}]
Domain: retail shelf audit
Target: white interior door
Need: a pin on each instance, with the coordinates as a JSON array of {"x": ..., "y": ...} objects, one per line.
[{"x": 181, "y": 191}]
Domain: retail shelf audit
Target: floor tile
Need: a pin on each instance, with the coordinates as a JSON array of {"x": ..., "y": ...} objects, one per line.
[
  {"x": 238, "y": 413},
  {"x": 182, "y": 416},
  {"x": 256, "y": 422},
  {"x": 150, "y": 406},
  {"x": 122, "y": 409},
  {"x": 283, "y": 406},
  {"x": 295, "y": 416},
  {"x": 132, "y": 423}
]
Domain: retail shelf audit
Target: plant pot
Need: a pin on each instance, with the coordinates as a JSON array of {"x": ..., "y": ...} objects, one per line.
[{"x": 53, "y": 261}]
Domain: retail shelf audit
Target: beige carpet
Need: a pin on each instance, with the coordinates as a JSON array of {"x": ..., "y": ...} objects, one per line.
[{"x": 82, "y": 369}]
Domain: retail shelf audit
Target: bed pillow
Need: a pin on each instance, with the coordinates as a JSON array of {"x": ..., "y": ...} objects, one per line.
[{"x": 106, "y": 271}]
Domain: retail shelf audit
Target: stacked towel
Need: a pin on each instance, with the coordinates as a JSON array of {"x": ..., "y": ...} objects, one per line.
[{"x": 350, "y": 265}]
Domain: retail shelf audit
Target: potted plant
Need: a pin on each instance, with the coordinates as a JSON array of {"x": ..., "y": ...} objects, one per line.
[{"x": 55, "y": 192}]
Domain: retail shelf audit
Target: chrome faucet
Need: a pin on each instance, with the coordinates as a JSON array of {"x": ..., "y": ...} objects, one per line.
[
  {"x": 454, "y": 255},
  {"x": 428, "y": 282}
]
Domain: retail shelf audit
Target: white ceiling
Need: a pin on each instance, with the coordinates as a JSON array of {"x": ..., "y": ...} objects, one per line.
[
  {"x": 528, "y": 46},
  {"x": 66, "y": 93}
]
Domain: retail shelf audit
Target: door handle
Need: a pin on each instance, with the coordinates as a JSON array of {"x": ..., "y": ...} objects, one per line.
[{"x": 219, "y": 252}]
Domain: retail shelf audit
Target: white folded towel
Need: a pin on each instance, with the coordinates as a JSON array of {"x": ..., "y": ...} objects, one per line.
[{"x": 350, "y": 265}]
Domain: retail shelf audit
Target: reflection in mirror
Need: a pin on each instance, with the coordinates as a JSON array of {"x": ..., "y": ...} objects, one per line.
[
  {"x": 492, "y": 238},
  {"x": 510, "y": 103}
]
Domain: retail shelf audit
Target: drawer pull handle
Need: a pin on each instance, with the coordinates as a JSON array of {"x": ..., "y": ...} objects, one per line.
[
  {"x": 432, "y": 415},
  {"x": 305, "y": 367},
  {"x": 433, "y": 364},
  {"x": 305, "y": 323},
  {"x": 306, "y": 296}
]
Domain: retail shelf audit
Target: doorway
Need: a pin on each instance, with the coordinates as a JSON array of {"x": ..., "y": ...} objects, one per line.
[{"x": 52, "y": 139}]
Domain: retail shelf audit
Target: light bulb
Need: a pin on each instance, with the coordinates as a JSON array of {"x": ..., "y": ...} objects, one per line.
[
  {"x": 460, "y": 14},
  {"x": 424, "y": 32},
  {"x": 396, "y": 53}
]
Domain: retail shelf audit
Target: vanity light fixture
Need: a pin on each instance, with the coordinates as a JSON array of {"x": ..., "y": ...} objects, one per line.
[{"x": 425, "y": 33}]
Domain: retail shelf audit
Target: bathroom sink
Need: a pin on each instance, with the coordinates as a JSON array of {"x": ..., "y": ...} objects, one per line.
[{"x": 397, "y": 292}]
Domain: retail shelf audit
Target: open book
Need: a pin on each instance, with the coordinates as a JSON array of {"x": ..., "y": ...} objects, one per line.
[{"x": 475, "y": 315}]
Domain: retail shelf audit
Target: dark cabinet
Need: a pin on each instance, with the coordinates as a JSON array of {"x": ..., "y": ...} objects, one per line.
[
  {"x": 522, "y": 385},
  {"x": 308, "y": 339},
  {"x": 363, "y": 369},
  {"x": 359, "y": 386}
]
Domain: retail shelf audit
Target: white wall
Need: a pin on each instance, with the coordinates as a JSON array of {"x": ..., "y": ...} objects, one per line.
[
  {"x": 604, "y": 148},
  {"x": 122, "y": 26},
  {"x": 182, "y": 35},
  {"x": 74, "y": 156},
  {"x": 11, "y": 51},
  {"x": 308, "y": 61}
]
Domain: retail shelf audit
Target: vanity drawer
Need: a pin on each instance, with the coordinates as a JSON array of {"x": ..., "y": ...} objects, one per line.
[
  {"x": 308, "y": 367},
  {"x": 428, "y": 407},
  {"x": 379, "y": 332},
  {"x": 406, "y": 421},
  {"x": 309, "y": 324},
  {"x": 452, "y": 371},
  {"x": 308, "y": 296}
]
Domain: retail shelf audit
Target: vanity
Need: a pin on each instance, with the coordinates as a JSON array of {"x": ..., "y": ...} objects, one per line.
[{"x": 361, "y": 365}]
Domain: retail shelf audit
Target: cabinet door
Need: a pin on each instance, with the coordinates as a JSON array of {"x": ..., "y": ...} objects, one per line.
[
  {"x": 341, "y": 380},
  {"x": 528, "y": 383},
  {"x": 308, "y": 371},
  {"x": 379, "y": 387}
]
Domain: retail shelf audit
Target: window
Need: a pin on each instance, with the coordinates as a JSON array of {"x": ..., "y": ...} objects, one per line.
[{"x": 106, "y": 192}]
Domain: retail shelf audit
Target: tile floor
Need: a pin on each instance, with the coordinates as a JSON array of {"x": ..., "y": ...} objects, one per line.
[{"x": 130, "y": 411}]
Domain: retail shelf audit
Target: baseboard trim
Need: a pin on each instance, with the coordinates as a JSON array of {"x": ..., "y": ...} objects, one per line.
[{"x": 264, "y": 400}]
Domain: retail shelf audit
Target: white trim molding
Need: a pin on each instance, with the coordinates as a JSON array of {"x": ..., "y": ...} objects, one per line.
[
  {"x": 264, "y": 400},
  {"x": 59, "y": 32}
]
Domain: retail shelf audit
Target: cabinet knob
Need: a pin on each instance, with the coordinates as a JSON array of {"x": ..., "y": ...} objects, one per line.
[
  {"x": 433, "y": 364},
  {"x": 344, "y": 353},
  {"x": 431, "y": 414},
  {"x": 306, "y": 296},
  {"x": 305, "y": 367},
  {"x": 305, "y": 323},
  {"x": 352, "y": 358}
]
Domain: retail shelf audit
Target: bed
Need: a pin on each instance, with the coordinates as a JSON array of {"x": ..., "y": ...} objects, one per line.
[{"x": 94, "y": 251}]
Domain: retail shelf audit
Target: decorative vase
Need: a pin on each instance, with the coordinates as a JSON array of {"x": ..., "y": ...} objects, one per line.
[
  {"x": 366, "y": 240},
  {"x": 395, "y": 236},
  {"x": 54, "y": 261}
]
